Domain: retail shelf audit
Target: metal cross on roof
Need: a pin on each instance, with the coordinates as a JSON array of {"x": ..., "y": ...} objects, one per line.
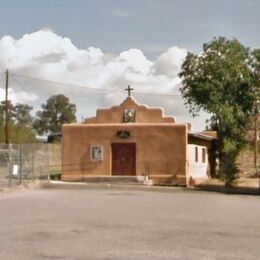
[{"x": 129, "y": 90}]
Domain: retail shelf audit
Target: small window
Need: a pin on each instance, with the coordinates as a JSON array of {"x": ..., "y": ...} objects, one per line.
[
  {"x": 203, "y": 155},
  {"x": 196, "y": 154},
  {"x": 96, "y": 152}
]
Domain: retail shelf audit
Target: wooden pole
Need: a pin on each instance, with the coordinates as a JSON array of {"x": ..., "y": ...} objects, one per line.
[
  {"x": 6, "y": 108},
  {"x": 255, "y": 141}
]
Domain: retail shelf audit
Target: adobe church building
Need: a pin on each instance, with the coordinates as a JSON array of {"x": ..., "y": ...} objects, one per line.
[{"x": 135, "y": 140}]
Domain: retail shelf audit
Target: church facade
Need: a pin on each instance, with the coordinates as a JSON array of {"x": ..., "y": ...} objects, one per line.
[{"x": 127, "y": 140}]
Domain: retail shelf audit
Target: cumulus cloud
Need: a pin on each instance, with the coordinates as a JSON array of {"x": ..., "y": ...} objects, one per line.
[
  {"x": 169, "y": 63},
  {"x": 44, "y": 54}
]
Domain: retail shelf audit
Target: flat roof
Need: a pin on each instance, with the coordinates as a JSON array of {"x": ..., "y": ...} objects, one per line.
[{"x": 201, "y": 136}]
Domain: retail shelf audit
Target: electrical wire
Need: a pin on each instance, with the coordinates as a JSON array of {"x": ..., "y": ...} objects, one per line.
[{"x": 92, "y": 88}]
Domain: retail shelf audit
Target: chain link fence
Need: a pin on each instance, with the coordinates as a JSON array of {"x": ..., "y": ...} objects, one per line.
[{"x": 26, "y": 162}]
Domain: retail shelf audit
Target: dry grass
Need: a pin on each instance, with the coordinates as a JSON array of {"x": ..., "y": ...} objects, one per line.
[
  {"x": 240, "y": 182},
  {"x": 245, "y": 162},
  {"x": 248, "y": 176}
]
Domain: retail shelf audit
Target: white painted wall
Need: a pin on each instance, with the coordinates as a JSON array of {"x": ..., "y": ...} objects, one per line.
[{"x": 197, "y": 170}]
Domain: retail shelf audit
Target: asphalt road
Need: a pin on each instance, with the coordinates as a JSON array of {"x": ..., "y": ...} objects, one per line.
[{"x": 121, "y": 223}]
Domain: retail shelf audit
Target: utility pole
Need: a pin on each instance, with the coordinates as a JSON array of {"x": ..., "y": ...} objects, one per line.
[
  {"x": 255, "y": 140},
  {"x": 257, "y": 110},
  {"x": 6, "y": 108}
]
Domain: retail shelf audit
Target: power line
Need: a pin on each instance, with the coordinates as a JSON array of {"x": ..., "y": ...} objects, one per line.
[
  {"x": 92, "y": 88},
  {"x": 62, "y": 83}
]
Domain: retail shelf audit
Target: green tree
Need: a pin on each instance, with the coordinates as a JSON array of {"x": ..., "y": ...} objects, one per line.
[
  {"x": 256, "y": 75},
  {"x": 22, "y": 126},
  {"x": 2, "y": 118},
  {"x": 21, "y": 114},
  {"x": 57, "y": 111},
  {"x": 20, "y": 123},
  {"x": 2, "y": 136},
  {"x": 21, "y": 134},
  {"x": 220, "y": 81}
]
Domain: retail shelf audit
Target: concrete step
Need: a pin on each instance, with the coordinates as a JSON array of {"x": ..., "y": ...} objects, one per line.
[{"x": 117, "y": 179}]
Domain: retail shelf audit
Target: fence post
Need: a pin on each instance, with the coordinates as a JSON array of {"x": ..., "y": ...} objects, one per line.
[
  {"x": 10, "y": 166},
  {"x": 33, "y": 162},
  {"x": 48, "y": 161},
  {"x": 20, "y": 164}
]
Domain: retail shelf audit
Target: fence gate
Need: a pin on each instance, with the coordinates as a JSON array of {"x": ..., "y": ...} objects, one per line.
[{"x": 28, "y": 162}]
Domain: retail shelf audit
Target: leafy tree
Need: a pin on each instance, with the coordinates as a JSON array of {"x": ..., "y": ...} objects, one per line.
[
  {"x": 22, "y": 127},
  {"x": 57, "y": 111},
  {"x": 22, "y": 114},
  {"x": 21, "y": 134},
  {"x": 20, "y": 123},
  {"x": 220, "y": 81},
  {"x": 256, "y": 62},
  {"x": 2, "y": 118},
  {"x": 256, "y": 75},
  {"x": 2, "y": 136}
]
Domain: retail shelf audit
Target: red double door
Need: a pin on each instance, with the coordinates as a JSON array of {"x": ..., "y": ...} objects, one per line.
[{"x": 123, "y": 158}]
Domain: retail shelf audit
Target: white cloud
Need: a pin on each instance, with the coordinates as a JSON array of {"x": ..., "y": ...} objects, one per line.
[
  {"x": 44, "y": 54},
  {"x": 169, "y": 63}
]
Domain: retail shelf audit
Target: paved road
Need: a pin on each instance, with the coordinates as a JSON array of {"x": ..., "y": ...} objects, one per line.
[{"x": 121, "y": 223}]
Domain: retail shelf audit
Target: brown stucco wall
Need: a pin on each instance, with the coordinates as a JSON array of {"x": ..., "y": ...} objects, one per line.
[
  {"x": 144, "y": 114},
  {"x": 160, "y": 150}
]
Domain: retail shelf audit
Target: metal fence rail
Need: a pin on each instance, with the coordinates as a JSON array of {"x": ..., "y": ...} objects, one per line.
[{"x": 21, "y": 162}]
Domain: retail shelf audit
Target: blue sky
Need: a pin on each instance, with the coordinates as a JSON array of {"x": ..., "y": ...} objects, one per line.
[
  {"x": 109, "y": 44},
  {"x": 149, "y": 25}
]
